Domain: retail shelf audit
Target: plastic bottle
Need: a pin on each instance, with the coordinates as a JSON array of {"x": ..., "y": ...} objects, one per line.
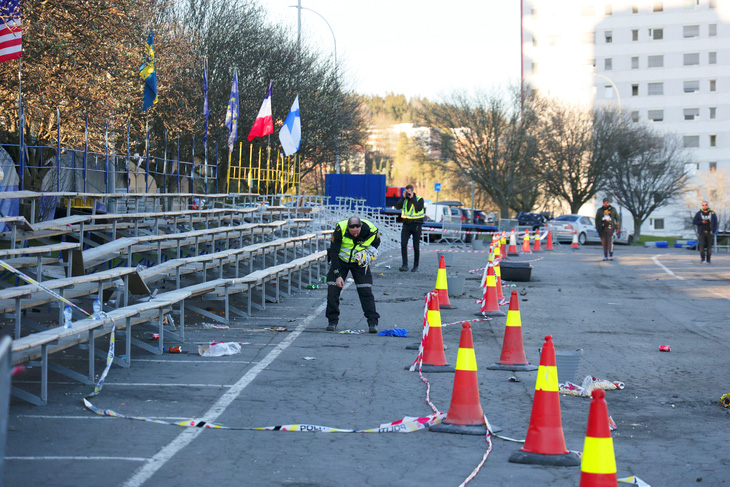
[
  {"x": 220, "y": 349},
  {"x": 67, "y": 314},
  {"x": 97, "y": 309}
]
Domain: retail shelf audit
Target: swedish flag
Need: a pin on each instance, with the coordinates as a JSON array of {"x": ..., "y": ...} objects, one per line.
[{"x": 148, "y": 74}]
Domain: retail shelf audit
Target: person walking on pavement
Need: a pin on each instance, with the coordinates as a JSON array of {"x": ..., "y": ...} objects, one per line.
[
  {"x": 354, "y": 247},
  {"x": 606, "y": 223},
  {"x": 412, "y": 213},
  {"x": 706, "y": 222}
]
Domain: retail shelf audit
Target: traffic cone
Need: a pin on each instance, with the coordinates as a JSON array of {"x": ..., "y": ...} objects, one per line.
[
  {"x": 513, "y": 351},
  {"x": 512, "y": 249},
  {"x": 465, "y": 415},
  {"x": 498, "y": 281},
  {"x": 574, "y": 245},
  {"x": 536, "y": 247},
  {"x": 549, "y": 243},
  {"x": 545, "y": 442},
  {"x": 490, "y": 306},
  {"x": 598, "y": 463},
  {"x": 503, "y": 244},
  {"x": 442, "y": 286},
  {"x": 526, "y": 243},
  {"x": 434, "y": 359}
]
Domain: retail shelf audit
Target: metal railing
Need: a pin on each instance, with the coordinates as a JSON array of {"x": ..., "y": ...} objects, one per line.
[{"x": 5, "y": 349}]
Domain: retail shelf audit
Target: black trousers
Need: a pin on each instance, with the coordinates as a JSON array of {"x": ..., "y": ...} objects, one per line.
[
  {"x": 405, "y": 233},
  {"x": 607, "y": 241},
  {"x": 364, "y": 284},
  {"x": 704, "y": 243}
]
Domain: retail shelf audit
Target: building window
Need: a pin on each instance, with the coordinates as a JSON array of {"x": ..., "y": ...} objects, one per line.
[
  {"x": 691, "y": 31},
  {"x": 658, "y": 223},
  {"x": 634, "y": 62},
  {"x": 635, "y": 116},
  {"x": 534, "y": 67},
  {"x": 656, "y": 115},
  {"x": 656, "y": 34},
  {"x": 713, "y": 57},
  {"x": 691, "y": 141},
  {"x": 634, "y": 90},
  {"x": 712, "y": 30},
  {"x": 691, "y": 114},
  {"x": 609, "y": 36},
  {"x": 534, "y": 41},
  {"x": 713, "y": 167},
  {"x": 713, "y": 85},
  {"x": 587, "y": 11},
  {"x": 691, "y": 4},
  {"x": 713, "y": 3},
  {"x": 658, "y": 7},
  {"x": 691, "y": 58},
  {"x": 608, "y": 91},
  {"x": 656, "y": 61},
  {"x": 634, "y": 9},
  {"x": 635, "y": 34},
  {"x": 609, "y": 9},
  {"x": 589, "y": 37},
  {"x": 608, "y": 64},
  {"x": 655, "y": 89},
  {"x": 713, "y": 140},
  {"x": 692, "y": 86},
  {"x": 713, "y": 113}
]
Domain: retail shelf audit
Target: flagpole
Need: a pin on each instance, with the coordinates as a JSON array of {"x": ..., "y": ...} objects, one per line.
[
  {"x": 205, "y": 140},
  {"x": 146, "y": 150},
  {"x": 21, "y": 126}
]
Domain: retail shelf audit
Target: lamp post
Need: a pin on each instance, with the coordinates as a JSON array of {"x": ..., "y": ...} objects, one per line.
[
  {"x": 334, "y": 41},
  {"x": 615, "y": 88}
]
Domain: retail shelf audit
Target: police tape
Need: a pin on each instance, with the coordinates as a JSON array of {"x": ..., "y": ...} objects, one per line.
[
  {"x": 486, "y": 318},
  {"x": 30, "y": 280},
  {"x": 451, "y": 251},
  {"x": 470, "y": 232}
]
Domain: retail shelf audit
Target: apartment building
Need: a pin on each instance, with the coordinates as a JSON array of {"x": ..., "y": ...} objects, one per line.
[{"x": 666, "y": 62}]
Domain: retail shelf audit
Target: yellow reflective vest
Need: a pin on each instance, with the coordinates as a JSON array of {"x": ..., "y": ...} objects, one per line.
[{"x": 348, "y": 248}]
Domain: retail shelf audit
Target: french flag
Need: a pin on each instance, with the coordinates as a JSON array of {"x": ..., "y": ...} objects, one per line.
[{"x": 264, "y": 124}]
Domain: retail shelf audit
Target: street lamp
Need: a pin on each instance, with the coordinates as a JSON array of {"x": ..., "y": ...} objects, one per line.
[
  {"x": 334, "y": 41},
  {"x": 615, "y": 88}
]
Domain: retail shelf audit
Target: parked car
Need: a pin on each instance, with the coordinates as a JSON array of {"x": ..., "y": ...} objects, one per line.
[
  {"x": 565, "y": 226},
  {"x": 480, "y": 218},
  {"x": 534, "y": 220},
  {"x": 465, "y": 215}
]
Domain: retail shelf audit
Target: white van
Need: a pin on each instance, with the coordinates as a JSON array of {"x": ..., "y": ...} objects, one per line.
[{"x": 438, "y": 212}]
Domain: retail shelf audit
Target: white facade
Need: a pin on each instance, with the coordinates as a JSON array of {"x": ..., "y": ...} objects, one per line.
[{"x": 667, "y": 62}]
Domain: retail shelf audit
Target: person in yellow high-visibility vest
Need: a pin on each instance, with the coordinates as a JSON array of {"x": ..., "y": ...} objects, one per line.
[
  {"x": 354, "y": 247},
  {"x": 412, "y": 214}
]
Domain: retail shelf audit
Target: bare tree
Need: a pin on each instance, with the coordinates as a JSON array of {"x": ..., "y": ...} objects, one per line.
[
  {"x": 575, "y": 151},
  {"x": 494, "y": 142},
  {"x": 648, "y": 171}
]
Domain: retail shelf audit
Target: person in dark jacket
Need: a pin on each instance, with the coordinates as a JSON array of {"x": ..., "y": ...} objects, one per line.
[
  {"x": 706, "y": 222},
  {"x": 412, "y": 214},
  {"x": 354, "y": 247},
  {"x": 606, "y": 223}
]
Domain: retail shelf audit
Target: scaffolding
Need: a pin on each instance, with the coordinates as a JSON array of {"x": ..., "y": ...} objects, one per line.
[{"x": 262, "y": 175}]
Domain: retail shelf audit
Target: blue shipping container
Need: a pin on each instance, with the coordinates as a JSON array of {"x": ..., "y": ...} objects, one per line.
[{"x": 371, "y": 187}]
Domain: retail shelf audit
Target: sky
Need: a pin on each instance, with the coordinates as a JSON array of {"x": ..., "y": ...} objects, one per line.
[{"x": 423, "y": 48}]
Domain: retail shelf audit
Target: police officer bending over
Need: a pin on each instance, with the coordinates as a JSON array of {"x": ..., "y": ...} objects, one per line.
[{"x": 354, "y": 247}]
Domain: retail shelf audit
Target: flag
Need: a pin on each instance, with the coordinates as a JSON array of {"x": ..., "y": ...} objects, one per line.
[
  {"x": 290, "y": 134},
  {"x": 11, "y": 34},
  {"x": 264, "y": 124},
  {"x": 232, "y": 114},
  {"x": 205, "y": 103},
  {"x": 148, "y": 74}
]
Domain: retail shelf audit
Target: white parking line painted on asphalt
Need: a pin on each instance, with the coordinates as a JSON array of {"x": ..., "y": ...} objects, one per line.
[
  {"x": 153, "y": 464},
  {"x": 96, "y": 459},
  {"x": 656, "y": 261},
  {"x": 49, "y": 416}
]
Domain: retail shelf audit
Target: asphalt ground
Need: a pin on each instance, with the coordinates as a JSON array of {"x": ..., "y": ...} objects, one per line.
[{"x": 672, "y": 429}]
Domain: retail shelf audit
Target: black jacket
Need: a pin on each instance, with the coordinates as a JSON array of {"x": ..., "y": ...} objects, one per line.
[
  {"x": 705, "y": 221},
  {"x": 334, "y": 249},
  {"x": 414, "y": 202},
  {"x": 606, "y": 217}
]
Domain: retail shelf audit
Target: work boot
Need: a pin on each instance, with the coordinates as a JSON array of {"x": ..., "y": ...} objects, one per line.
[
  {"x": 332, "y": 327},
  {"x": 415, "y": 268},
  {"x": 708, "y": 261},
  {"x": 372, "y": 328},
  {"x": 404, "y": 268}
]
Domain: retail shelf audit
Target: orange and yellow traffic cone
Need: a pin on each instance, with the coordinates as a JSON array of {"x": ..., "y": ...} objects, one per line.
[
  {"x": 490, "y": 304},
  {"x": 536, "y": 247},
  {"x": 465, "y": 415},
  {"x": 442, "y": 286},
  {"x": 545, "y": 442},
  {"x": 512, "y": 249},
  {"x": 549, "y": 243},
  {"x": 513, "y": 351},
  {"x": 503, "y": 244},
  {"x": 526, "y": 243},
  {"x": 574, "y": 245},
  {"x": 498, "y": 280},
  {"x": 598, "y": 463},
  {"x": 434, "y": 359}
]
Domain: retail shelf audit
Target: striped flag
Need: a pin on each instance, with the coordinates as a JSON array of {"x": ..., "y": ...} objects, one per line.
[
  {"x": 264, "y": 124},
  {"x": 11, "y": 34}
]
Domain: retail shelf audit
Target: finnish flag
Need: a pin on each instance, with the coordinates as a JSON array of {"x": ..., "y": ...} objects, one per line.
[{"x": 290, "y": 134}]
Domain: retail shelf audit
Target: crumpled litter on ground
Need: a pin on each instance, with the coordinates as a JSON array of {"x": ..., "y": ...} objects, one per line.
[
  {"x": 725, "y": 400},
  {"x": 633, "y": 480},
  {"x": 588, "y": 386},
  {"x": 215, "y": 326},
  {"x": 219, "y": 349},
  {"x": 394, "y": 332},
  {"x": 352, "y": 332}
]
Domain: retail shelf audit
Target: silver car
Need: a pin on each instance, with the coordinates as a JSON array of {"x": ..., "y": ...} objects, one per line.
[{"x": 565, "y": 226}]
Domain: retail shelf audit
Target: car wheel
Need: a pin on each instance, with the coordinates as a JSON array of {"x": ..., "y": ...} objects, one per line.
[
  {"x": 630, "y": 240},
  {"x": 582, "y": 239}
]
